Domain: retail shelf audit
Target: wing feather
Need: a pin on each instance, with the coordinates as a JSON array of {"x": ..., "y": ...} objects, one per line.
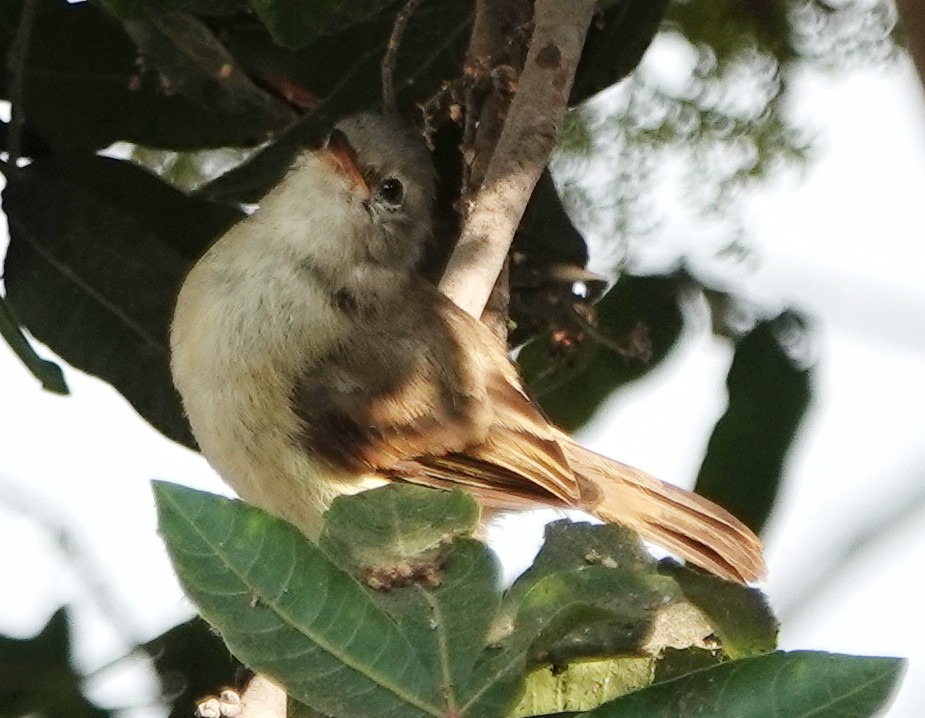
[{"x": 386, "y": 402}]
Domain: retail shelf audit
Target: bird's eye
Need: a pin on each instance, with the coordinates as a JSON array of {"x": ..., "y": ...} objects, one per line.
[{"x": 391, "y": 190}]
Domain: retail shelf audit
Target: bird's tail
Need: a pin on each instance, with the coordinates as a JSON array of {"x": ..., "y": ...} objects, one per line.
[{"x": 688, "y": 525}]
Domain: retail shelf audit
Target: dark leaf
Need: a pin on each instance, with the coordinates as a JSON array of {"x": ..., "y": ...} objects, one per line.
[
  {"x": 97, "y": 252},
  {"x": 637, "y": 323},
  {"x": 616, "y": 42},
  {"x": 36, "y": 676},
  {"x": 295, "y": 23},
  {"x": 341, "y": 71},
  {"x": 192, "y": 661},
  {"x": 82, "y": 66},
  {"x": 777, "y": 685},
  {"x": 195, "y": 64},
  {"x": 769, "y": 391}
]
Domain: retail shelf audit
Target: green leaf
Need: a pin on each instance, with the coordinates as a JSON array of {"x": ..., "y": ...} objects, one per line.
[
  {"x": 591, "y": 611},
  {"x": 769, "y": 392},
  {"x": 740, "y": 616},
  {"x": 410, "y": 546},
  {"x": 676, "y": 662},
  {"x": 567, "y": 546},
  {"x": 395, "y": 525},
  {"x": 97, "y": 251},
  {"x": 640, "y": 316},
  {"x": 582, "y": 686},
  {"x": 37, "y": 678},
  {"x": 286, "y": 610},
  {"x": 728, "y": 26},
  {"x": 592, "y": 591},
  {"x": 778, "y": 685}
]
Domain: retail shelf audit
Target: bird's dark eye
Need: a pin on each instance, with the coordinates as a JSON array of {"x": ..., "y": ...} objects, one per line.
[{"x": 391, "y": 190}]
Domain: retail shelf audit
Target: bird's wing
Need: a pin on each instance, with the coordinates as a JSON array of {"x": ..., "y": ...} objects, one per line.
[{"x": 428, "y": 410}]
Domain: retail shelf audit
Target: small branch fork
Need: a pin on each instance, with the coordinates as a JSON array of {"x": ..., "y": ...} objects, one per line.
[{"x": 523, "y": 149}]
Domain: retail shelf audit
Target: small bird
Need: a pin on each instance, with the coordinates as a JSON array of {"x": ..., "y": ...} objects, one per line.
[{"x": 313, "y": 361}]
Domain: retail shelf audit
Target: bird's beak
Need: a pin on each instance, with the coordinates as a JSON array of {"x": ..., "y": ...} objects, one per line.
[{"x": 343, "y": 158}]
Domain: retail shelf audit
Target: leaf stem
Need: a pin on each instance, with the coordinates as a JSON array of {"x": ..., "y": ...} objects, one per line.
[{"x": 45, "y": 371}]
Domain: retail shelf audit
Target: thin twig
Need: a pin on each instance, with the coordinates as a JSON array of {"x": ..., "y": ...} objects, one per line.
[
  {"x": 45, "y": 371},
  {"x": 389, "y": 60},
  {"x": 16, "y": 66},
  {"x": 523, "y": 150}
]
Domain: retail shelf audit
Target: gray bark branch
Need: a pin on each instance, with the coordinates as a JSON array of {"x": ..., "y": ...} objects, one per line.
[{"x": 523, "y": 150}]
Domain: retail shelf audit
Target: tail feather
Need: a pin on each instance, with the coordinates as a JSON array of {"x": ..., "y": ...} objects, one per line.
[{"x": 691, "y": 526}]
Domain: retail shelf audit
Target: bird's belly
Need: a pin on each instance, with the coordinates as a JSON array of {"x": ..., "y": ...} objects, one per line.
[
  {"x": 262, "y": 460},
  {"x": 236, "y": 376}
]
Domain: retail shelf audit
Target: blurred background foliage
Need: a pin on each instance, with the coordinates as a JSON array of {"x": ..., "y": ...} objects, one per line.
[{"x": 141, "y": 128}]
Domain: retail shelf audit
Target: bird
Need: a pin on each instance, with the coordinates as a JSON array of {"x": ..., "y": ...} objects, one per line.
[{"x": 313, "y": 360}]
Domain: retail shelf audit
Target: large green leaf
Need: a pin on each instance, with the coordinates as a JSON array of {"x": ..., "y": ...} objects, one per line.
[
  {"x": 410, "y": 545},
  {"x": 396, "y": 525},
  {"x": 769, "y": 391},
  {"x": 285, "y": 609},
  {"x": 778, "y": 685},
  {"x": 97, "y": 251}
]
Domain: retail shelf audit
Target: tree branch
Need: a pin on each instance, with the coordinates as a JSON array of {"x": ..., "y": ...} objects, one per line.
[
  {"x": 523, "y": 150},
  {"x": 389, "y": 60}
]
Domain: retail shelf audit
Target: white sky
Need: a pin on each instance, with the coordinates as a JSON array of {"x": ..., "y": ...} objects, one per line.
[{"x": 846, "y": 245}]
